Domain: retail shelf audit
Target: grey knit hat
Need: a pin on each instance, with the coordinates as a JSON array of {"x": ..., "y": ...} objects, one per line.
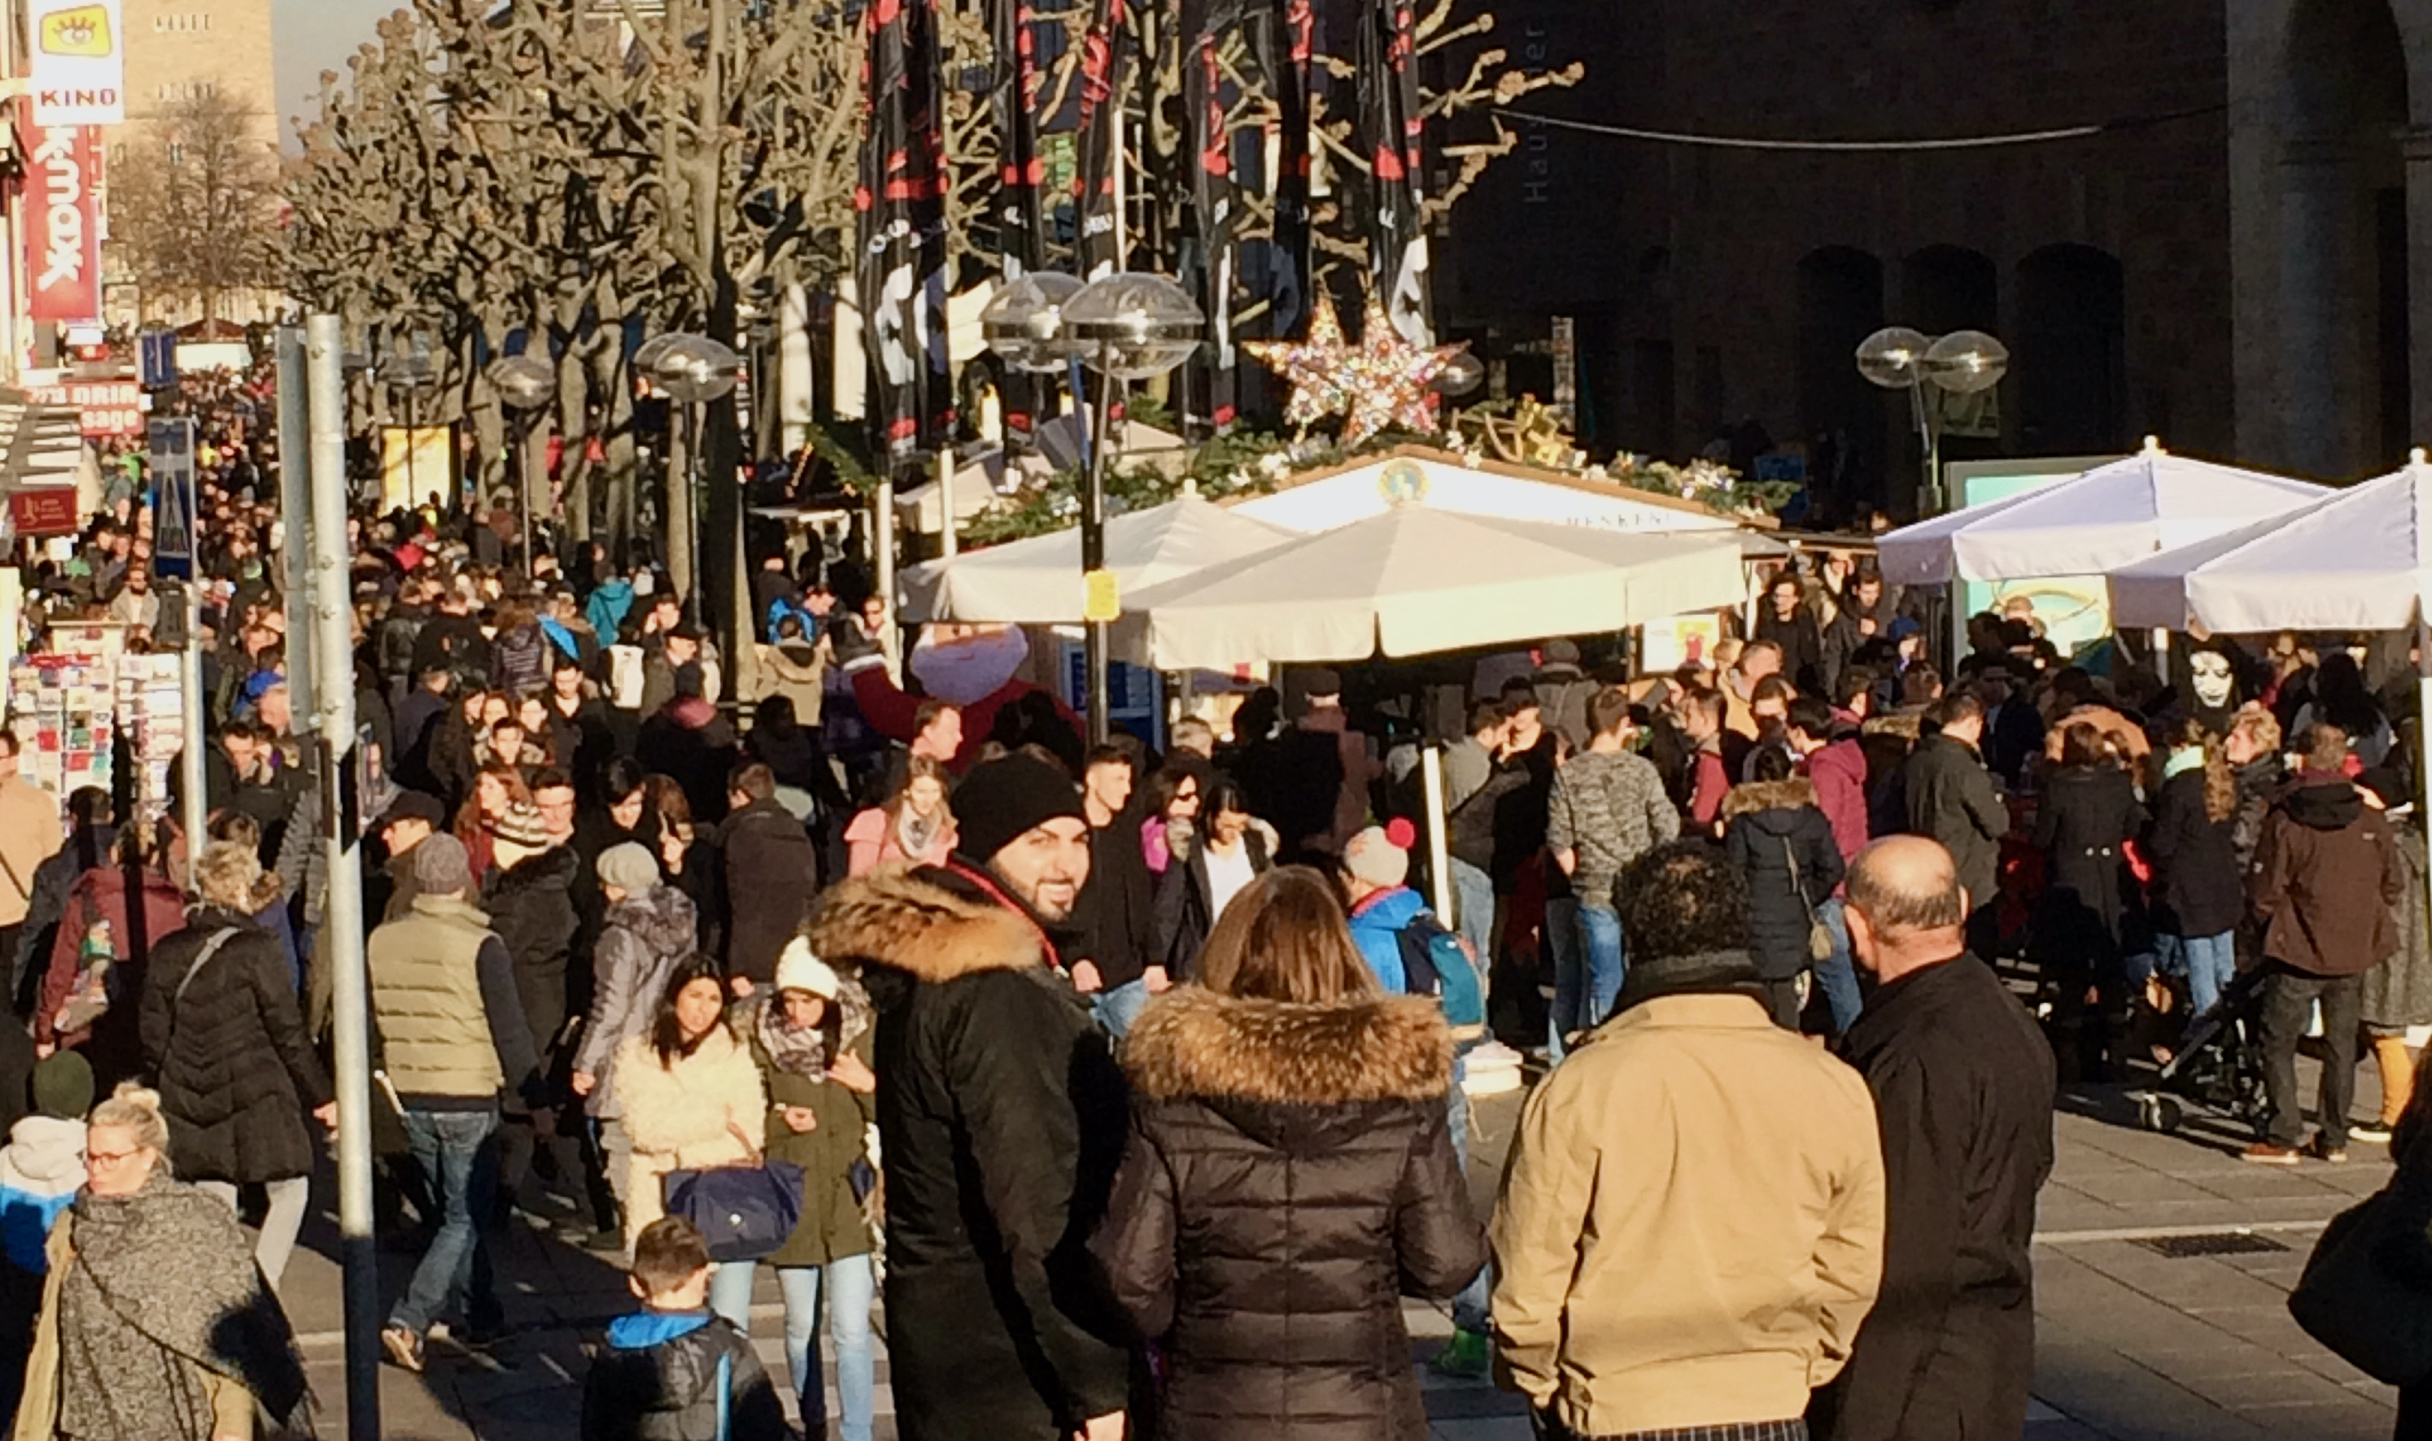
[
  {"x": 628, "y": 867},
  {"x": 441, "y": 867}
]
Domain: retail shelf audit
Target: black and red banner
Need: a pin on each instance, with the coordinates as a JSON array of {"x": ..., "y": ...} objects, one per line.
[
  {"x": 1021, "y": 239},
  {"x": 901, "y": 197},
  {"x": 1105, "y": 74},
  {"x": 1389, "y": 134}
]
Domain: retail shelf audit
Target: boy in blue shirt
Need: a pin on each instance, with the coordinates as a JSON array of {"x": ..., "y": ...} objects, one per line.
[{"x": 673, "y": 1371}]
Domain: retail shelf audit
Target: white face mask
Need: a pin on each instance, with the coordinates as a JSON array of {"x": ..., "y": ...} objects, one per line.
[{"x": 2209, "y": 671}]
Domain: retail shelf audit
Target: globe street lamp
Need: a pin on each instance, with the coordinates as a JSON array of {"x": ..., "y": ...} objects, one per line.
[
  {"x": 525, "y": 382},
  {"x": 698, "y": 371},
  {"x": 1963, "y": 362},
  {"x": 1126, "y": 326}
]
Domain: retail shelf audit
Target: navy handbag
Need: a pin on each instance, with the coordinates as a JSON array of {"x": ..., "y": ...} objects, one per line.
[{"x": 745, "y": 1212}]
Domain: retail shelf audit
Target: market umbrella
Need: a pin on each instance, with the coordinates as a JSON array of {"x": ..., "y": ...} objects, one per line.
[
  {"x": 2357, "y": 559},
  {"x": 1037, "y": 580},
  {"x": 1416, "y": 580},
  {"x": 2090, "y": 524}
]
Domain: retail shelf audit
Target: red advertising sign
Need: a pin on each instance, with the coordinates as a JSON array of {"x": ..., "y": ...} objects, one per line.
[
  {"x": 50, "y": 510},
  {"x": 110, "y": 409},
  {"x": 63, "y": 223}
]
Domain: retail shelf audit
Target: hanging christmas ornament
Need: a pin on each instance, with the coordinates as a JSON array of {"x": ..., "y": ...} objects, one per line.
[{"x": 1315, "y": 366}]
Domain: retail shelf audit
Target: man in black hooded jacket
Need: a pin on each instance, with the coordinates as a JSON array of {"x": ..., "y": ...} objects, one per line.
[{"x": 1002, "y": 1118}]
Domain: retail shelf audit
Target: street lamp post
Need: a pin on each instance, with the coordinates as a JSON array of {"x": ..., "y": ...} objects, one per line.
[
  {"x": 1126, "y": 326},
  {"x": 699, "y": 371},
  {"x": 1962, "y": 362},
  {"x": 525, "y": 382}
]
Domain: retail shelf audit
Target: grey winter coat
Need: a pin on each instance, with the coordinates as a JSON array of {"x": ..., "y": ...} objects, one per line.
[
  {"x": 1611, "y": 809},
  {"x": 640, "y": 942},
  {"x": 2398, "y": 992}
]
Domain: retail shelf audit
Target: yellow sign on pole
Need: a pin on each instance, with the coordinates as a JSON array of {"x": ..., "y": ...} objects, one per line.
[
  {"x": 414, "y": 463},
  {"x": 1101, "y": 601}
]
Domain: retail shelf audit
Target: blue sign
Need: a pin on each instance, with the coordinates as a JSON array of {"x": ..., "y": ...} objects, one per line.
[
  {"x": 173, "y": 518},
  {"x": 157, "y": 351}
]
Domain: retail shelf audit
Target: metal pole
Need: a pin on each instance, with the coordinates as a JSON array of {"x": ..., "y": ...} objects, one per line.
[
  {"x": 1439, "y": 849},
  {"x": 948, "y": 539},
  {"x": 192, "y": 780},
  {"x": 342, "y": 915},
  {"x": 523, "y": 471},
  {"x": 882, "y": 565},
  {"x": 1093, "y": 549},
  {"x": 295, "y": 505}
]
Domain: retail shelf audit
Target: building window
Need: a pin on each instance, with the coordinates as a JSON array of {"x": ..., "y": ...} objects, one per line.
[
  {"x": 176, "y": 90},
  {"x": 191, "y": 22}
]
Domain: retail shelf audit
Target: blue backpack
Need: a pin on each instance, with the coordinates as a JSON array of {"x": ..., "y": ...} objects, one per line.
[{"x": 1436, "y": 963}]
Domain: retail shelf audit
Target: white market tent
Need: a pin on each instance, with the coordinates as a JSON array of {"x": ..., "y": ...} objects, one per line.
[
  {"x": 1416, "y": 580},
  {"x": 982, "y": 479},
  {"x": 1037, "y": 581},
  {"x": 2111, "y": 516},
  {"x": 2356, "y": 559}
]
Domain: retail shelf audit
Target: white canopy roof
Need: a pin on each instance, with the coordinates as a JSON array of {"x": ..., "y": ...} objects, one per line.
[
  {"x": 1415, "y": 580},
  {"x": 2358, "y": 559},
  {"x": 982, "y": 479},
  {"x": 2091, "y": 524},
  {"x": 1037, "y": 580}
]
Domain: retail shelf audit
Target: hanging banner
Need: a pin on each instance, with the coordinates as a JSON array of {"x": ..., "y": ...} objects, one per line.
[
  {"x": 1020, "y": 173},
  {"x": 1390, "y": 134},
  {"x": 1105, "y": 66},
  {"x": 902, "y": 203},
  {"x": 105, "y": 409},
  {"x": 63, "y": 233},
  {"x": 79, "y": 65}
]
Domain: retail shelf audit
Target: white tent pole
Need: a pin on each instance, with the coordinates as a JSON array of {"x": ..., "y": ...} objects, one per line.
[
  {"x": 949, "y": 519},
  {"x": 1439, "y": 845},
  {"x": 2423, "y": 724}
]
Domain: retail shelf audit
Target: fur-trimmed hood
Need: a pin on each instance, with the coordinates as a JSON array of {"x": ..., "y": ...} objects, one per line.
[
  {"x": 1753, "y": 796},
  {"x": 1193, "y": 1043},
  {"x": 898, "y": 918}
]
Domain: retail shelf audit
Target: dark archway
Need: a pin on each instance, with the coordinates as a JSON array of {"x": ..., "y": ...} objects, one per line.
[
  {"x": 1949, "y": 287},
  {"x": 2346, "y": 381},
  {"x": 2069, "y": 352},
  {"x": 1841, "y": 416}
]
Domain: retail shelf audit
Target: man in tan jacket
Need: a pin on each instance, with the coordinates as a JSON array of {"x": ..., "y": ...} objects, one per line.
[
  {"x": 29, "y": 835},
  {"x": 1691, "y": 1228}
]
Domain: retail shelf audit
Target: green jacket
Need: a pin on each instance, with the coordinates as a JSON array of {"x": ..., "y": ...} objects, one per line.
[{"x": 833, "y": 1225}]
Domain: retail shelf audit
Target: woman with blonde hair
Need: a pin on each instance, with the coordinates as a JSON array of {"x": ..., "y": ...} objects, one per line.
[
  {"x": 1290, "y": 1173},
  {"x": 914, "y": 827},
  {"x": 155, "y": 1321},
  {"x": 223, "y": 1035},
  {"x": 2199, "y": 890}
]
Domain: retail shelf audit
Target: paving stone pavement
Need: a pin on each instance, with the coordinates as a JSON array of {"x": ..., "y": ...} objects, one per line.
[{"x": 2134, "y": 1345}]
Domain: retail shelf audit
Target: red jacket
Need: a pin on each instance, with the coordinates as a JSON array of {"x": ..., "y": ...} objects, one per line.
[
  {"x": 1839, "y": 773},
  {"x": 112, "y": 1044}
]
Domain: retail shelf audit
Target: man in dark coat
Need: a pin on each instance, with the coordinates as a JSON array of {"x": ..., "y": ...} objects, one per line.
[
  {"x": 1955, "y": 802},
  {"x": 770, "y": 869},
  {"x": 2326, "y": 875},
  {"x": 530, "y": 900},
  {"x": 1118, "y": 910},
  {"x": 1963, "y": 1085},
  {"x": 1002, "y": 1118},
  {"x": 687, "y": 740}
]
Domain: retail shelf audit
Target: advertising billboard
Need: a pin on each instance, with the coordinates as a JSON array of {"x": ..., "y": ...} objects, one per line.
[
  {"x": 63, "y": 224},
  {"x": 79, "y": 64}
]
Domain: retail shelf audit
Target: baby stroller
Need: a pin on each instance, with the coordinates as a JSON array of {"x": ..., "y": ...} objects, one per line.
[{"x": 2218, "y": 1067}]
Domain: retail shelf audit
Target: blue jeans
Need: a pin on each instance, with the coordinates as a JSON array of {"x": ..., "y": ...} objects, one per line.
[
  {"x": 1469, "y": 1309},
  {"x": 730, "y": 1292},
  {"x": 1836, "y": 974},
  {"x": 1587, "y": 975},
  {"x": 2208, "y": 962},
  {"x": 1118, "y": 1008},
  {"x": 851, "y": 1285},
  {"x": 458, "y": 1154},
  {"x": 1473, "y": 897}
]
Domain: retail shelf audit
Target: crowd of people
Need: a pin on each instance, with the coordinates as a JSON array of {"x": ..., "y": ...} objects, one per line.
[{"x": 1134, "y": 1082}]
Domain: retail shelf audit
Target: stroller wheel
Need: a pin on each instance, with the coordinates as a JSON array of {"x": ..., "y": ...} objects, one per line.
[{"x": 2157, "y": 1112}]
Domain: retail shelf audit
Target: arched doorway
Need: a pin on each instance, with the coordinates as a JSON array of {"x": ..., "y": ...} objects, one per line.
[
  {"x": 1840, "y": 414},
  {"x": 2345, "y": 377},
  {"x": 2069, "y": 352}
]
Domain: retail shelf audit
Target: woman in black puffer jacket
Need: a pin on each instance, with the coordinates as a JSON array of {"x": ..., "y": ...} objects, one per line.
[
  {"x": 1778, "y": 837},
  {"x": 238, "y": 1077},
  {"x": 1290, "y": 1173}
]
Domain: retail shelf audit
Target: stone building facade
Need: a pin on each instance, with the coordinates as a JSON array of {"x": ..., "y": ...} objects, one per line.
[{"x": 1716, "y": 290}]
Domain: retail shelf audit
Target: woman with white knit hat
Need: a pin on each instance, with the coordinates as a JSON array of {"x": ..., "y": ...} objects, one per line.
[{"x": 812, "y": 1042}]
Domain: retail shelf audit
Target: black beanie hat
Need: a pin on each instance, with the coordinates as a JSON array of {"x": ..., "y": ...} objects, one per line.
[{"x": 998, "y": 802}]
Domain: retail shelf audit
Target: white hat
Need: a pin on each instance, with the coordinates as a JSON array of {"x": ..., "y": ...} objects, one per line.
[{"x": 799, "y": 970}]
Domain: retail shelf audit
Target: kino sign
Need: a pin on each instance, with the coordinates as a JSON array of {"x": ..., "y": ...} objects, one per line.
[{"x": 79, "y": 65}]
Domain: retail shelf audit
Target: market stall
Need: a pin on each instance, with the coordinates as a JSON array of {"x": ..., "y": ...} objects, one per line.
[
  {"x": 1038, "y": 581},
  {"x": 1417, "y": 580}
]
